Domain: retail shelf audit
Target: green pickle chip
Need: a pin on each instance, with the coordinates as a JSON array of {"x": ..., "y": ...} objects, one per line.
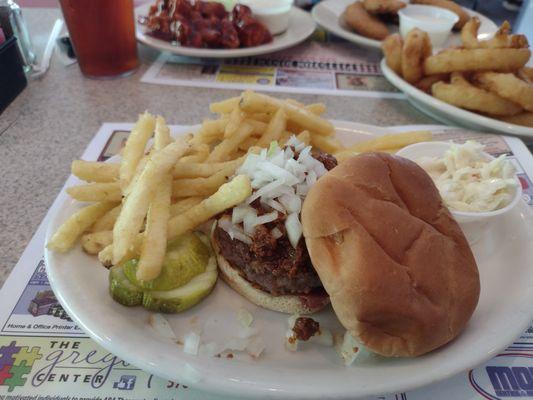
[
  {"x": 122, "y": 290},
  {"x": 186, "y": 257},
  {"x": 188, "y": 275}
]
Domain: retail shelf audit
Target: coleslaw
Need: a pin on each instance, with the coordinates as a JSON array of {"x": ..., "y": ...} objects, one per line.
[{"x": 468, "y": 180}]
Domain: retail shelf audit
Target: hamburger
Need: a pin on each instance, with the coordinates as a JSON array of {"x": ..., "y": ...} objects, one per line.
[
  {"x": 372, "y": 236},
  {"x": 260, "y": 249},
  {"x": 399, "y": 272}
]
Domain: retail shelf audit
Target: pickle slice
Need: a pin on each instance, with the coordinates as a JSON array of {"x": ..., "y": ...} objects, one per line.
[
  {"x": 186, "y": 257},
  {"x": 182, "y": 298},
  {"x": 122, "y": 290}
]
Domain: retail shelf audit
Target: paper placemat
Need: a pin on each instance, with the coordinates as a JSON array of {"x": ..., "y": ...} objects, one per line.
[{"x": 323, "y": 64}]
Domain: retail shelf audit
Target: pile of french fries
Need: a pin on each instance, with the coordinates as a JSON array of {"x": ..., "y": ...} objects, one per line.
[{"x": 152, "y": 196}]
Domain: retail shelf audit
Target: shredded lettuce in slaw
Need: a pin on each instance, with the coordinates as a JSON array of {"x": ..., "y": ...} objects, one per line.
[{"x": 468, "y": 181}]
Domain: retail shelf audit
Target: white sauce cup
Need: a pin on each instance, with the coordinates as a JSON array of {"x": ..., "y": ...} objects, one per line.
[
  {"x": 437, "y": 22},
  {"x": 273, "y": 13}
]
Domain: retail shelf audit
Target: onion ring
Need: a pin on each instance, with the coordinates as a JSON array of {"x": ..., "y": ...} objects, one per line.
[
  {"x": 501, "y": 39},
  {"x": 416, "y": 49},
  {"x": 450, "y": 60},
  {"x": 507, "y": 86},
  {"x": 463, "y": 94},
  {"x": 392, "y": 50},
  {"x": 357, "y": 18}
]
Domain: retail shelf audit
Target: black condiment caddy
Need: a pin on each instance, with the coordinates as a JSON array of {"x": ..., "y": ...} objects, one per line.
[{"x": 12, "y": 77}]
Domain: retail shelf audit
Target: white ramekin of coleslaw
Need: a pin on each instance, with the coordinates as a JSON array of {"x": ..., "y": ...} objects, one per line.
[{"x": 473, "y": 184}]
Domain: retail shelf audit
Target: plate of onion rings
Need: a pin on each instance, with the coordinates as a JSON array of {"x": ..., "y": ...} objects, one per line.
[
  {"x": 484, "y": 84},
  {"x": 329, "y": 14}
]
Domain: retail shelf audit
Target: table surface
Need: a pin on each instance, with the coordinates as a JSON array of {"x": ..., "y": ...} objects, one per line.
[{"x": 53, "y": 120}]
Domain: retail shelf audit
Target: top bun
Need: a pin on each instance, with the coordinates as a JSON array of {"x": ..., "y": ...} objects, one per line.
[{"x": 398, "y": 269}]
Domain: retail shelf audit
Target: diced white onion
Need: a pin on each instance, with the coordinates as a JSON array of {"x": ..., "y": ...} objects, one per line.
[
  {"x": 244, "y": 317},
  {"x": 349, "y": 349},
  {"x": 238, "y": 213},
  {"x": 255, "y": 346},
  {"x": 266, "y": 218},
  {"x": 210, "y": 349},
  {"x": 281, "y": 182},
  {"x": 291, "y": 202},
  {"x": 191, "y": 343},
  {"x": 291, "y": 343},
  {"x": 276, "y": 205},
  {"x": 294, "y": 229},
  {"x": 276, "y": 233},
  {"x": 234, "y": 231},
  {"x": 161, "y": 326}
]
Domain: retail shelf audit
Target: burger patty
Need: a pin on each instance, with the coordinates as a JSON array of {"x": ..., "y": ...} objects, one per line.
[{"x": 271, "y": 264}]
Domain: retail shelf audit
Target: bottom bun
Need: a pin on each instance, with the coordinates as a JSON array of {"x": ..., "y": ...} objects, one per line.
[{"x": 290, "y": 304}]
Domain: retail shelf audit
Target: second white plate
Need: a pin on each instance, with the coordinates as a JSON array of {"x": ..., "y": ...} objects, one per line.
[{"x": 328, "y": 15}]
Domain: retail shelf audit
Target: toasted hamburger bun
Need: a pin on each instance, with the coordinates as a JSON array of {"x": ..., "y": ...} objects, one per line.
[
  {"x": 290, "y": 304},
  {"x": 398, "y": 269}
]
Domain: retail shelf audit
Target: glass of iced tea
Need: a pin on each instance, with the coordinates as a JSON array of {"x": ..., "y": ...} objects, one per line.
[{"x": 103, "y": 36}]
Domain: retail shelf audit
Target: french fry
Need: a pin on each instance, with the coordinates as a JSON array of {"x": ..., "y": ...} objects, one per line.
[
  {"x": 222, "y": 150},
  {"x": 261, "y": 116},
  {"x": 394, "y": 140},
  {"x": 228, "y": 195},
  {"x": 295, "y": 103},
  {"x": 106, "y": 255},
  {"x": 94, "y": 243},
  {"x": 95, "y": 171},
  {"x": 285, "y": 135},
  {"x": 162, "y": 133},
  {"x": 329, "y": 144},
  {"x": 154, "y": 243},
  {"x": 275, "y": 128},
  {"x": 342, "y": 156},
  {"x": 201, "y": 170},
  {"x": 203, "y": 186},
  {"x": 136, "y": 204},
  {"x": 107, "y": 221},
  {"x": 247, "y": 143},
  {"x": 316, "y": 108},
  {"x": 255, "y": 102},
  {"x": 200, "y": 154},
  {"x": 209, "y": 131},
  {"x": 225, "y": 106},
  {"x": 109, "y": 191},
  {"x": 258, "y": 126},
  {"x": 305, "y": 137},
  {"x": 184, "y": 204},
  {"x": 392, "y": 150},
  {"x": 235, "y": 120},
  {"x": 134, "y": 149},
  {"x": 69, "y": 232},
  {"x": 140, "y": 168}
]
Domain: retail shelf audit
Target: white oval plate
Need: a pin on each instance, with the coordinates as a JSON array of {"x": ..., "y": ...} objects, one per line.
[
  {"x": 301, "y": 26},
  {"x": 328, "y": 13},
  {"x": 449, "y": 114},
  {"x": 504, "y": 311}
]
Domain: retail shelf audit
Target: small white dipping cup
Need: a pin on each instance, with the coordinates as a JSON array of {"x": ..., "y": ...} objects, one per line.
[
  {"x": 437, "y": 22},
  {"x": 437, "y": 149},
  {"x": 273, "y": 13}
]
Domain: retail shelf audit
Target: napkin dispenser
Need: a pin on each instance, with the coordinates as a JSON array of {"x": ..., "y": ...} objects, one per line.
[{"x": 12, "y": 77}]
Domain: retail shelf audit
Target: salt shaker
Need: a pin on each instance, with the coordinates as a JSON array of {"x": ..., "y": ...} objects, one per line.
[{"x": 13, "y": 24}]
